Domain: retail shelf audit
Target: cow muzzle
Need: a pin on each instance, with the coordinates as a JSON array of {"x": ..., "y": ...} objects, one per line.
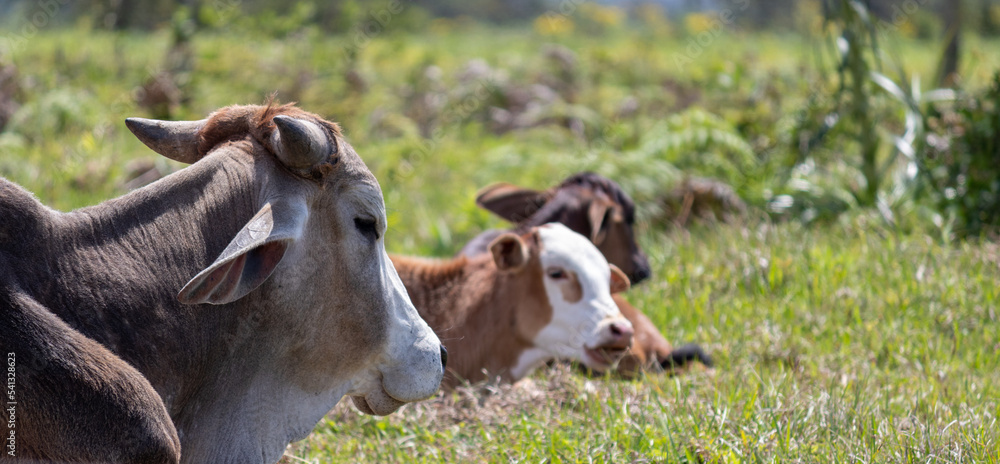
[
  {"x": 406, "y": 383},
  {"x": 615, "y": 341},
  {"x": 377, "y": 403},
  {"x": 640, "y": 268}
]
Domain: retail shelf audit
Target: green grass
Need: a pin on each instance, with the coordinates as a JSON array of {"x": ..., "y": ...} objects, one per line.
[
  {"x": 847, "y": 341},
  {"x": 845, "y": 344}
]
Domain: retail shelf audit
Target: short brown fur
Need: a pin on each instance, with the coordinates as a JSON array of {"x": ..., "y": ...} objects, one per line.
[
  {"x": 484, "y": 316},
  {"x": 258, "y": 121},
  {"x": 571, "y": 289}
]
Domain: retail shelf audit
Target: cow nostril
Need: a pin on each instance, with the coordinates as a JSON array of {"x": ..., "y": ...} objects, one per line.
[
  {"x": 444, "y": 357},
  {"x": 621, "y": 331},
  {"x": 640, "y": 274}
]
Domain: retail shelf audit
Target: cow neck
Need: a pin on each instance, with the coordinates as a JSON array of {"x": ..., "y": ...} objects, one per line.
[
  {"x": 469, "y": 296},
  {"x": 24, "y": 218},
  {"x": 509, "y": 318},
  {"x": 122, "y": 263},
  {"x": 174, "y": 226}
]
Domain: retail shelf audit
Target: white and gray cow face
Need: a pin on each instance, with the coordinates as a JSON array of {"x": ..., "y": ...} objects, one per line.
[
  {"x": 410, "y": 366},
  {"x": 332, "y": 304}
]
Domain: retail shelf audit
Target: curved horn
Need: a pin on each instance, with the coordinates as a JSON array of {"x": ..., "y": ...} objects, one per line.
[
  {"x": 177, "y": 140},
  {"x": 299, "y": 143}
]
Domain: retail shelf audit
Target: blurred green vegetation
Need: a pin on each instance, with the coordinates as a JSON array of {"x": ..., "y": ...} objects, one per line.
[{"x": 648, "y": 105}]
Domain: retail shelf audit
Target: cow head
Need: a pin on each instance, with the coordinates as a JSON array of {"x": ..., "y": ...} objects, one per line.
[
  {"x": 567, "y": 311},
  {"x": 589, "y": 204},
  {"x": 311, "y": 262}
]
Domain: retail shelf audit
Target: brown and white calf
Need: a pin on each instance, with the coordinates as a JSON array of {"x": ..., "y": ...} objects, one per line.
[
  {"x": 598, "y": 208},
  {"x": 539, "y": 296}
]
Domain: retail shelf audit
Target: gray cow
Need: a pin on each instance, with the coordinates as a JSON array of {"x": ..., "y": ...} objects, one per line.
[{"x": 106, "y": 312}]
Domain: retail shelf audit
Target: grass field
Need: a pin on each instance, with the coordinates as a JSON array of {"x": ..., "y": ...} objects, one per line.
[
  {"x": 847, "y": 344},
  {"x": 844, "y": 341}
]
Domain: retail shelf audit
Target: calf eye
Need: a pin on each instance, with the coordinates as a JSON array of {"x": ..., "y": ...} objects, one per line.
[
  {"x": 555, "y": 273},
  {"x": 366, "y": 227}
]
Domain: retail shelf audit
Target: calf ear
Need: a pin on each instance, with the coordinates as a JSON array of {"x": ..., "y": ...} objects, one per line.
[
  {"x": 509, "y": 252},
  {"x": 250, "y": 257},
  {"x": 597, "y": 215},
  {"x": 511, "y": 202},
  {"x": 619, "y": 281}
]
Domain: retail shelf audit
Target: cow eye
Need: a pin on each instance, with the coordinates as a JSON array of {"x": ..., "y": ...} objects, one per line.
[
  {"x": 555, "y": 273},
  {"x": 366, "y": 227}
]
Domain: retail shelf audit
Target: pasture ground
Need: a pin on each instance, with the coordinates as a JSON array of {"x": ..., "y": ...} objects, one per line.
[{"x": 847, "y": 344}]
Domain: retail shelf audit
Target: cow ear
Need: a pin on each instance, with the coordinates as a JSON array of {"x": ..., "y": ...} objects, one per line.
[
  {"x": 511, "y": 202},
  {"x": 619, "y": 281},
  {"x": 509, "y": 252},
  {"x": 597, "y": 215},
  {"x": 250, "y": 257},
  {"x": 299, "y": 143}
]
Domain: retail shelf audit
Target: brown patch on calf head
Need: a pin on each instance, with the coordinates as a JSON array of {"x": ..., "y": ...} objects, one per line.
[
  {"x": 526, "y": 290},
  {"x": 569, "y": 284}
]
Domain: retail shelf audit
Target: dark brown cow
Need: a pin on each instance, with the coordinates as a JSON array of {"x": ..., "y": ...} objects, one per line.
[
  {"x": 216, "y": 314},
  {"x": 589, "y": 204},
  {"x": 596, "y": 207}
]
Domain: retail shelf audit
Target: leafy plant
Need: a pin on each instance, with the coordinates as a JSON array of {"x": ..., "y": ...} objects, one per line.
[
  {"x": 863, "y": 110},
  {"x": 692, "y": 142},
  {"x": 961, "y": 163}
]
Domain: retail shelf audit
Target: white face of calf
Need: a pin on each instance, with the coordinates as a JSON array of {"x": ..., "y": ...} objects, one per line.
[{"x": 586, "y": 325}]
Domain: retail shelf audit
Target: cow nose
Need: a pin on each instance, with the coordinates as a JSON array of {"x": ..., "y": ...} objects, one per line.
[
  {"x": 641, "y": 273},
  {"x": 444, "y": 357},
  {"x": 621, "y": 335}
]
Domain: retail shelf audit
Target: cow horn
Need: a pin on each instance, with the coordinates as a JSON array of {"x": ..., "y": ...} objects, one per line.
[
  {"x": 177, "y": 140},
  {"x": 298, "y": 143}
]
